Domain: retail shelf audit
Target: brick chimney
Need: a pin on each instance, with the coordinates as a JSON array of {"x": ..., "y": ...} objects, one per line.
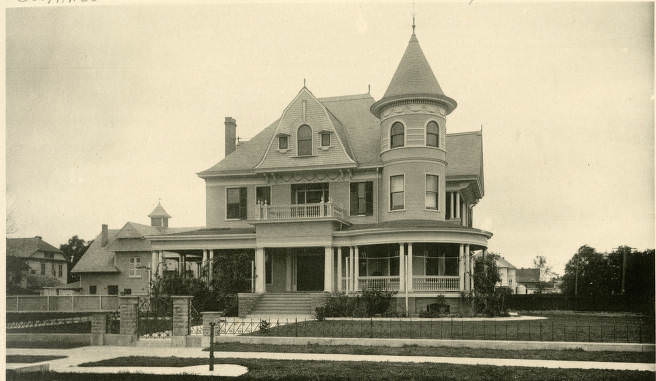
[
  {"x": 104, "y": 238},
  {"x": 230, "y": 135}
]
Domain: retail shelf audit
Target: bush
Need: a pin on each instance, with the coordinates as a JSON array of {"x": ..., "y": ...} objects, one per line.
[
  {"x": 492, "y": 305},
  {"x": 371, "y": 302}
]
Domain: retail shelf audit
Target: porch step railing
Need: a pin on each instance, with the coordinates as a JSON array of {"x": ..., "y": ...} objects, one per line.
[
  {"x": 264, "y": 212},
  {"x": 435, "y": 283}
]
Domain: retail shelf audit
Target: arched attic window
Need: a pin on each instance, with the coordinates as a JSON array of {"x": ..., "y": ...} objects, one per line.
[
  {"x": 304, "y": 139},
  {"x": 432, "y": 134},
  {"x": 397, "y": 135}
]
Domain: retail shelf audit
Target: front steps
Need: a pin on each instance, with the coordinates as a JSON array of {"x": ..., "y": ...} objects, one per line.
[{"x": 287, "y": 304}]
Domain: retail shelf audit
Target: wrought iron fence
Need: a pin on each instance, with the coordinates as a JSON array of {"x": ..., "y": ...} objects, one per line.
[{"x": 155, "y": 317}]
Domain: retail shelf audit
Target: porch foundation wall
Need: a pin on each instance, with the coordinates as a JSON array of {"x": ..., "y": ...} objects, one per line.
[{"x": 417, "y": 305}]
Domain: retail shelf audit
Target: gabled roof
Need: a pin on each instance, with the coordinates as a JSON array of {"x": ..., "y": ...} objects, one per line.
[
  {"x": 465, "y": 156},
  {"x": 26, "y": 247},
  {"x": 528, "y": 275},
  {"x": 502, "y": 262},
  {"x": 413, "y": 75},
  {"x": 159, "y": 211},
  {"x": 131, "y": 237}
]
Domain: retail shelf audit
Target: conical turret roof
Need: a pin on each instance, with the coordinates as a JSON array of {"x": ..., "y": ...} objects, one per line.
[
  {"x": 413, "y": 78},
  {"x": 159, "y": 211},
  {"x": 413, "y": 75}
]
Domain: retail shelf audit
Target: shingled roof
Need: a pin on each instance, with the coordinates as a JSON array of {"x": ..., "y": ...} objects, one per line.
[
  {"x": 360, "y": 131},
  {"x": 528, "y": 275},
  {"x": 159, "y": 211},
  {"x": 26, "y": 247},
  {"x": 97, "y": 258}
]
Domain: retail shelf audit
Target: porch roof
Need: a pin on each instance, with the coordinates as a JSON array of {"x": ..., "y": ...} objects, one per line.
[
  {"x": 412, "y": 224},
  {"x": 212, "y": 231}
]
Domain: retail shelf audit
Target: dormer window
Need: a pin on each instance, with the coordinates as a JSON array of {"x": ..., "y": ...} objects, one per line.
[
  {"x": 283, "y": 142},
  {"x": 304, "y": 138},
  {"x": 397, "y": 135},
  {"x": 432, "y": 134},
  {"x": 325, "y": 139}
]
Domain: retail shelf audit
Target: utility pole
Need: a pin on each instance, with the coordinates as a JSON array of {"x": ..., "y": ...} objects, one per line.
[
  {"x": 576, "y": 279},
  {"x": 624, "y": 263}
]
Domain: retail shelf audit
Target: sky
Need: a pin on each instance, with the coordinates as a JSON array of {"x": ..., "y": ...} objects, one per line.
[{"x": 112, "y": 107}]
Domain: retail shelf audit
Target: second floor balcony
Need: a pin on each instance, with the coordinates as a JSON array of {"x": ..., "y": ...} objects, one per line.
[{"x": 298, "y": 212}]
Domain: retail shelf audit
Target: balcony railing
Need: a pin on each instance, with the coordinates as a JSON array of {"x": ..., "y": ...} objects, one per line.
[
  {"x": 385, "y": 283},
  {"x": 435, "y": 283},
  {"x": 62, "y": 303},
  {"x": 264, "y": 212}
]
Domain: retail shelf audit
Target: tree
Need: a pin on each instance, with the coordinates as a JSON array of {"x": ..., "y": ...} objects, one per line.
[
  {"x": 17, "y": 271},
  {"x": 488, "y": 299},
  {"x": 73, "y": 251}
]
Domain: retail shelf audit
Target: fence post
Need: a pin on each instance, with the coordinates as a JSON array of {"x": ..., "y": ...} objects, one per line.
[{"x": 212, "y": 346}]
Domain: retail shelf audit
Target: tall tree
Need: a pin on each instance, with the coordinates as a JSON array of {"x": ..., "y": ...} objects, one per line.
[
  {"x": 73, "y": 251},
  {"x": 540, "y": 262}
]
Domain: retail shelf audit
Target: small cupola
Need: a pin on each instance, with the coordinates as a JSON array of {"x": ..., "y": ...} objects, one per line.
[{"x": 159, "y": 217}]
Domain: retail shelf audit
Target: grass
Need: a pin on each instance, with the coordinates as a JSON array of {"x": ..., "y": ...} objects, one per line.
[
  {"x": 26, "y": 359},
  {"x": 46, "y": 345},
  {"x": 572, "y": 355},
  {"x": 557, "y": 327},
  {"x": 260, "y": 369}
]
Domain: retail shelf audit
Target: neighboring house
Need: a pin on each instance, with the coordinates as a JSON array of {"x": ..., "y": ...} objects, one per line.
[
  {"x": 528, "y": 281},
  {"x": 508, "y": 274},
  {"x": 45, "y": 263},
  {"x": 74, "y": 288},
  {"x": 119, "y": 260},
  {"x": 337, "y": 195}
]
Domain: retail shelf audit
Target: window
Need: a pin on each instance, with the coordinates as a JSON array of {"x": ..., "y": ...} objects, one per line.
[
  {"x": 53, "y": 270},
  {"x": 43, "y": 269},
  {"x": 325, "y": 139},
  {"x": 304, "y": 137},
  {"x": 263, "y": 195},
  {"x": 397, "y": 135},
  {"x": 134, "y": 270},
  {"x": 92, "y": 290},
  {"x": 432, "y": 134},
  {"x": 60, "y": 269},
  {"x": 309, "y": 193},
  {"x": 236, "y": 200},
  {"x": 283, "y": 142},
  {"x": 112, "y": 290},
  {"x": 431, "y": 191},
  {"x": 397, "y": 192},
  {"x": 127, "y": 291},
  {"x": 362, "y": 203}
]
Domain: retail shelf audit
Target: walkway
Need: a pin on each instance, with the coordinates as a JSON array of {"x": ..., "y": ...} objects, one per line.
[{"x": 97, "y": 353}]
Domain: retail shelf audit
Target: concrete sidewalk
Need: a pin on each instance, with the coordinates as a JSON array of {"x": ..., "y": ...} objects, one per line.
[{"x": 77, "y": 356}]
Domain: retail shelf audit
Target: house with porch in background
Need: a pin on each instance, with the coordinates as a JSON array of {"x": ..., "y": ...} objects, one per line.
[{"x": 40, "y": 263}]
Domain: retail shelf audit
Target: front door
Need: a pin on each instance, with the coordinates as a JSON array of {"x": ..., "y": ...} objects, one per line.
[{"x": 309, "y": 273}]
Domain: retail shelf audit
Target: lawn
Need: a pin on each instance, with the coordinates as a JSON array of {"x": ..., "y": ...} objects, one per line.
[
  {"x": 571, "y": 355},
  {"x": 260, "y": 369},
  {"x": 557, "y": 327},
  {"x": 28, "y": 359}
]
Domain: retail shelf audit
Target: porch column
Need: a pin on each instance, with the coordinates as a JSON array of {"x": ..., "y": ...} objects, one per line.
[
  {"x": 210, "y": 274},
  {"x": 204, "y": 263},
  {"x": 179, "y": 264},
  {"x": 339, "y": 269},
  {"x": 153, "y": 264},
  {"x": 351, "y": 272},
  {"x": 259, "y": 271},
  {"x": 356, "y": 270},
  {"x": 469, "y": 269},
  {"x": 462, "y": 259},
  {"x": 457, "y": 204},
  {"x": 402, "y": 269},
  {"x": 161, "y": 263},
  {"x": 328, "y": 269},
  {"x": 409, "y": 269}
]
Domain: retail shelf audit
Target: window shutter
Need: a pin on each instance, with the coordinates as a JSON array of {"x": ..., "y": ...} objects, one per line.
[
  {"x": 243, "y": 202},
  {"x": 354, "y": 199},
  {"x": 369, "y": 196}
]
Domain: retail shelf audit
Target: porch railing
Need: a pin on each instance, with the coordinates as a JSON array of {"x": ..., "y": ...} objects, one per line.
[
  {"x": 264, "y": 212},
  {"x": 435, "y": 283},
  {"x": 385, "y": 283},
  {"x": 61, "y": 303}
]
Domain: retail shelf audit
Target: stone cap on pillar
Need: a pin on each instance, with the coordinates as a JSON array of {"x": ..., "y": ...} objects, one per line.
[{"x": 182, "y": 297}]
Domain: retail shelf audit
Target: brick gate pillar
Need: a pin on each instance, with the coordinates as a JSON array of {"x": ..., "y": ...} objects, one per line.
[
  {"x": 98, "y": 328},
  {"x": 181, "y": 311},
  {"x": 128, "y": 306}
]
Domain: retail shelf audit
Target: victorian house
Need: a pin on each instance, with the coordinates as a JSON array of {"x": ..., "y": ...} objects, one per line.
[{"x": 339, "y": 194}]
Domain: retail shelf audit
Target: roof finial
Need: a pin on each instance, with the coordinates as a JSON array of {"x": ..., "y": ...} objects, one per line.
[
  {"x": 304, "y": 82},
  {"x": 413, "y": 17},
  {"x": 369, "y": 89}
]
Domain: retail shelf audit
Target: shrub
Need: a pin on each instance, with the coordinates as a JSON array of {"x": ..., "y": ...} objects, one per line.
[
  {"x": 371, "y": 302},
  {"x": 264, "y": 327}
]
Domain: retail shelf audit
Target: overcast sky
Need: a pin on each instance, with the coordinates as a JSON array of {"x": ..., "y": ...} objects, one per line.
[{"x": 111, "y": 107}]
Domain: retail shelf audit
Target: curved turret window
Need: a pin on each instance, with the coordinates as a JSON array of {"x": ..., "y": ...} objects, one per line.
[
  {"x": 432, "y": 134},
  {"x": 304, "y": 137},
  {"x": 397, "y": 138}
]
